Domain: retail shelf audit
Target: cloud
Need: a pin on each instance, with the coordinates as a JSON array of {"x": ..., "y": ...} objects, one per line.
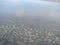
[{"x": 53, "y": 0}]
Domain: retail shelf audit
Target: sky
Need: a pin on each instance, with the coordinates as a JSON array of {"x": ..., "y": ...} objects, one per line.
[
  {"x": 33, "y": 7},
  {"x": 17, "y": 3},
  {"x": 53, "y": 0}
]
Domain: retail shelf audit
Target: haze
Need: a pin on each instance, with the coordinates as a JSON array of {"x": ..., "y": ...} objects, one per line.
[{"x": 29, "y": 22}]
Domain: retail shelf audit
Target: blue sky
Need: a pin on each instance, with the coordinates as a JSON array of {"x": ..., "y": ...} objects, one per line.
[
  {"x": 19, "y": 3},
  {"x": 34, "y": 6}
]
